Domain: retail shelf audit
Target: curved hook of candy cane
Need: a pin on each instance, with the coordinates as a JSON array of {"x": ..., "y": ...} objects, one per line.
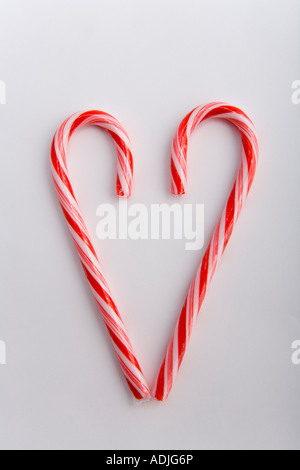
[
  {"x": 197, "y": 291},
  {"x": 79, "y": 232}
]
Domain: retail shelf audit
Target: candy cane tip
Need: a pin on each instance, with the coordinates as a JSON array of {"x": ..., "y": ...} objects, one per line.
[
  {"x": 158, "y": 394},
  {"x": 158, "y": 399},
  {"x": 123, "y": 191},
  {"x": 181, "y": 192},
  {"x": 123, "y": 194},
  {"x": 178, "y": 190}
]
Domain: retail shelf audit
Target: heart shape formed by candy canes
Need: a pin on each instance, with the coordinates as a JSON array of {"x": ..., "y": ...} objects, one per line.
[{"x": 111, "y": 316}]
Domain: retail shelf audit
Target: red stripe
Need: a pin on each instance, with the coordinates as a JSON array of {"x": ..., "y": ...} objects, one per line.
[
  {"x": 182, "y": 334},
  {"x": 100, "y": 291},
  {"x": 240, "y": 190},
  {"x": 131, "y": 375},
  {"x": 203, "y": 278},
  {"x": 59, "y": 170},
  {"x": 120, "y": 191},
  {"x": 159, "y": 392},
  {"x": 80, "y": 119},
  {"x": 251, "y": 162},
  {"x": 127, "y": 353},
  {"x": 135, "y": 392},
  {"x": 224, "y": 109},
  {"x": 71, "y": 210},
  {"x": 182, "y": 134},
  {"x": 124, "y": 148},
  {"x": 191, "y": 308},
  {"x": 229, "y": 221},
  {"x": 78, "y": 230},
  {"x": 91, "y": 265},
  {"x": 126, "y": 174},
  {"x": 170, "y": 367},
  {"x": 243, "y": 127},
  {"x": 112, "y": 324},
  {"x": 215, "y": 249},
  {"x": 199, "y": 117},
  {"x": 177, "y": 180}
]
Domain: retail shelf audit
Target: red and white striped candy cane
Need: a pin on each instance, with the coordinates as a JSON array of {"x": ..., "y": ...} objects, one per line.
[
  {"x": 86, "y": 251},
  {"x": 223, "y": 231}
]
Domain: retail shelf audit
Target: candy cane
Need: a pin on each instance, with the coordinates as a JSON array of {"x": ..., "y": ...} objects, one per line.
[
  {"x": 86, "y": 251},
  {"x": 223, "y": 231}
]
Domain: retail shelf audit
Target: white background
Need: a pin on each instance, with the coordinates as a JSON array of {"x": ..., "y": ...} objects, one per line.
[{"x": 149, "y": 63}]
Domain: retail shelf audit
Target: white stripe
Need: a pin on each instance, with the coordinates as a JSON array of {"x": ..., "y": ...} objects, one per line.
[
  {"x": 169, "y": 354},
  {"x": 178, "y": 167},
  {"x": 128, "y": 170},
  {"x": 62, "y": 186},
  {"x": 187, "y": 315},
  {"x": 236, "y": 199},
  {"x": 209, "y": 268},
  {"x": 173, "y": 185},
  {"x": 67, "y": 129},
  {"x": 183, "y": 159},
  {"x": 75, "y": 217},
  {"x": 123, "y": 182},
  {"x": 86, "y": 250},
  {"x": 58, "y": 154},
  {"x": 120, "y": 133},
  {"x": 196, "y": 296},
  {"x": 175, "y": 353},
  {"x": 208, "y": 110},
  {"x": 130, "y": 366},
  {"x": 99, "y": 280},
  {"x": 245, "y": 176},
  {"x": 137, "y": 374},
  {"x": 112, "y": 314},
  {"x": 165, "y": 378},
  {"x": 237, "y": 117},
  {"x": 191, "y": 120},
  {"x": 221, "y": 235},
  {"x": 121, "y": 173}
]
